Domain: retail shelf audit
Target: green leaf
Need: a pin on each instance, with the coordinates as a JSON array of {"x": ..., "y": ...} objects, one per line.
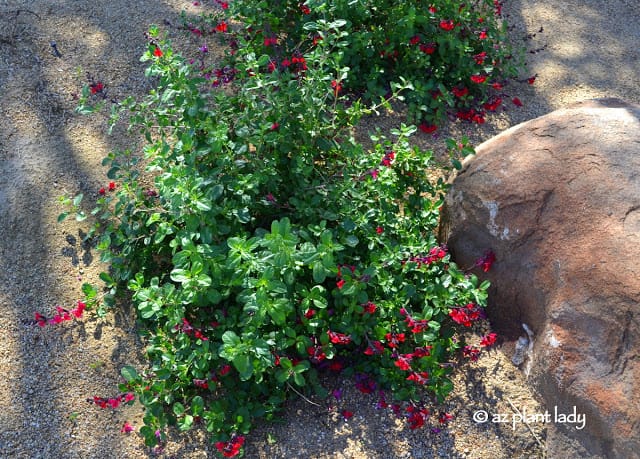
[
  {"x": 243, "y": 365},
  {"x": 62, "y": 216},
  {"x": 180, "y": 275},
  {"x": 107, "y": 279},
  {"x": 178, "y": 409},
  {"x": 129, "y": 373},
  {"x": 319, "y": 272}
]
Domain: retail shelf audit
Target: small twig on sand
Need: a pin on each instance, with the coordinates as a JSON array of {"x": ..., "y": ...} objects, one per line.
[
  {"x": 526, "y": 423},
  {"x": 303, "y": 397}
]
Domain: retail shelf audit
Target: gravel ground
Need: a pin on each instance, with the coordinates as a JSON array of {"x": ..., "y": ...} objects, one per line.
[{"x": 590, "y": 50}]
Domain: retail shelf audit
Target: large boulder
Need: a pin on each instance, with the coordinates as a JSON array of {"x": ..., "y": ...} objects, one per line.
[{"x": 557, "y": 199}]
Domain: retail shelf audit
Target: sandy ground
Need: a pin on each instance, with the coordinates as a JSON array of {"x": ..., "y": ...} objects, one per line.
[{"x": 590, "y": 50}]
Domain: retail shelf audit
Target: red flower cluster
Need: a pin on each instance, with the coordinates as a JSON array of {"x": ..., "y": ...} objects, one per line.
[
  {"x": 416, "y": 416},
  {"x": 435, "y": 254},
  {"x": 112, "y": 402},
  {"x": 187, "y": 328},
  {"x": 96, "y": 87},
  {"x": 471, "y": 115},
  {"x": 421, "y": 378},
  {"x": 62, "y": 315},
  {"x": 447, "y": 24},
  {"x": 157, "y": 52},
  {"x": 316, "y": 354},
  {"x": 375, "y": 347},
  {"x": 337, "y": 87},
  {"x": 488, "y": 340},
  {"x": 232, "y": 447},
  {"x": 428, "y": 48},
  {"x": 111, "y": 187},
  {"x": 427, "y": 128},
  {"x": 465, "y": 315},
  {"x": 222, "y": 27},
  {"x": 393, "y": 339},
  {"x": 460, "y": 92},
  {"x": 471, "y": 353},
  {"x": 305, "y": 9},
  {"x": 369, "y": 307},
  {"x": 388, "y": 158},
  {"x": 478, "y": 78},
  {"x": 493, "y": 105},
  {"x": 201, "y": 383},
  {"x": 338, "y": 338},
  {"x": 479, "y": 58},
  {"x": 268, "y": 41}
]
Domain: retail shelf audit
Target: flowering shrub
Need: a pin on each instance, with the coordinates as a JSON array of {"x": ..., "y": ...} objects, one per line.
[
  {"x": 456, "y": 55},
  {"x": 262, "y": 244}
]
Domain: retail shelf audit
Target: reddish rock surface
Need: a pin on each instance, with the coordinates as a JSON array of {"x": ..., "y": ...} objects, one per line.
[{"x": 557, "y": 199}]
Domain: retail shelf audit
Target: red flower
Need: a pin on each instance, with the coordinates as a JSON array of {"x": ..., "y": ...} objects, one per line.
[
  {"x": 224, "y": 369},
  {"x": 393, "y": 339},
  {"x": 447, "y": 24},
  {"x": 532, "y": 79},
  {"x": 427, "y": 128},
  {"x": 488, "y": 340},
  {"x": 127, "y": 428},
  {"x": 114, "y": 402},
  {"x": 375, "y": 347},
  {"x": 201, "y": 383},
  {"x": 40, "y": 319},
  {"x": 305, "y": 9},
  {"x": 370, "y": 308},
  {"x": 157, "y": 52},
  {"x": 483, "y": 35},
  {"x": 497, "y": 86},
  {"x": 270, "y": 41},
  {"x": 379, "y": 229},
  {"x": 346, "y": 414},
  {"x": 479, "y": 58},
  {"x": 432, "y": 9},
  {"x": 79, "y": 309},
  {"x": 96, "y": 87},
  {"x": 471, "y": 353},
  {"x": 388, "y": 158},
  {"x": 414, "y": 40},
  {"x": 232, "y": 447},
  {"x": 271, "y": 66},
  {"x": 102, "y": 191},
  {"x": 338, "y": 338},
  {"x": 112, "y": 186},
  {"x": 460, "y": 92},
  {"x": 492, "y": 106},
  {"x": 429, "y": 48},
  {"x": 517, "y": 102},
  {"x": 403, "y": 362},
  {"x": 478, "y": 78},
  {"x": 129, "y": 397},
  {"x": 420, "y": 378},
  {"x": 222, "y": 27},
  {"x": 340, "y": 283},
  {"x": 444, "y": 418},
  {"x": 337, "y": 87},
  {"x": 274, "y": 126},
  {"x": 310, "y": 313},
  {"x": 459, "y": 316}
]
